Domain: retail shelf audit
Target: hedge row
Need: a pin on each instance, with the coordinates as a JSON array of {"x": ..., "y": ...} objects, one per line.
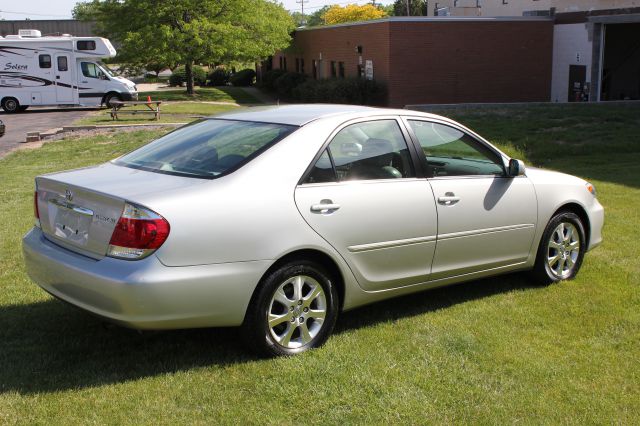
[
  {"x": 295, "y": 87},
  {"x": 219, "y": 76}
]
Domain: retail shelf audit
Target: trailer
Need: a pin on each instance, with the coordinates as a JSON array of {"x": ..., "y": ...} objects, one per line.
[{"x": 58, "y": 71}]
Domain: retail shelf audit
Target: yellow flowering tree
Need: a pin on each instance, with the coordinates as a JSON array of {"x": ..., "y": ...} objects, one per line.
[{"x": 352, "y": 13}]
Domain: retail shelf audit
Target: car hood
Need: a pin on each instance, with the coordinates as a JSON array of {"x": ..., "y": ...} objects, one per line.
[{"x": 543, "y": 176}]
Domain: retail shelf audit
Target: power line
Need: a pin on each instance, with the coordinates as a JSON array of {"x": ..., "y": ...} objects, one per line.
[{"x": 34, "y": 14}]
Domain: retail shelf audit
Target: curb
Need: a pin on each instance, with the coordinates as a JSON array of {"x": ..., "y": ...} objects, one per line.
[{"x": 38, "y": 136}]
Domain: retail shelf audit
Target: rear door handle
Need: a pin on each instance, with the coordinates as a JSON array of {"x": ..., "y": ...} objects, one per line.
[
  {"x": 325, "y": 207},
  {"x": 448, "y": 199}
]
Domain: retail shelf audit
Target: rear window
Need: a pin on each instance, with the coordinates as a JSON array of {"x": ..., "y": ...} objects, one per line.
[{"x": 206, "y": 149}]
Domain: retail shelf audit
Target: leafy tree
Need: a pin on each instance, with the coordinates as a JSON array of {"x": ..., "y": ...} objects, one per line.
[
  {"x": 352, "y": 13},
  {"x": 191, "y": 31},
  {"x": 317, "y": 18},
  {"x": 416, "y": 7}
]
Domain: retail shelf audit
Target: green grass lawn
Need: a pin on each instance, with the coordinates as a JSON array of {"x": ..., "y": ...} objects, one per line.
[
  {"x": 494, "y": 351},
  {"x": 217, "y": 94}
]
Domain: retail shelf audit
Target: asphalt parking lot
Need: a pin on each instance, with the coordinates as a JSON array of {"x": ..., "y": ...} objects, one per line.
[{"x": 34, "y": 120}]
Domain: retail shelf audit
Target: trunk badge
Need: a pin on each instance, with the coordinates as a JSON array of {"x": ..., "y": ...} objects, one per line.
[{"x": 68, "y": 195}]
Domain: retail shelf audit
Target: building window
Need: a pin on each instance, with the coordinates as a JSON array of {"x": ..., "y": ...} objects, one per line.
[
  {"x": 297, "y": 64},
  {"x": 315, "y": 69},
  {"x": 62, "y": 63},
  {"x": 341, "y": 69},
  {"x": 281, "y": 67},
  {"x": 360, "y": 71},
  {"x": 45, "y": 61},
  {"x": 301, "y": 65},
  {"x": 334, "y": 72},
  {"x": 86, "y": 45}
]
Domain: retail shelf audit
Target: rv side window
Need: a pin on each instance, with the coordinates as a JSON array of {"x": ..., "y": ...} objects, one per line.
[
  {"x": 90, "y": 70},
  {"x": 86, "y": 45},
  {"x": 45, "y": 61},
  {"x": 62, "y": 63}
]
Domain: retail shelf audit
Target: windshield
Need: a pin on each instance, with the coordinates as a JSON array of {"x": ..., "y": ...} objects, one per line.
[
  {"x": 206, "y": 149},
  {"x": 105, "y": 69}
]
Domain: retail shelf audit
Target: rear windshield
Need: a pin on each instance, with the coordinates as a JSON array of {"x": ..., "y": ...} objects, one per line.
[{"x": 206, "y": 149}]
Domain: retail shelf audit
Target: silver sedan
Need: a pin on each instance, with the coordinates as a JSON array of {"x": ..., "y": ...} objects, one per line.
[{"x": 277, "y": 219}]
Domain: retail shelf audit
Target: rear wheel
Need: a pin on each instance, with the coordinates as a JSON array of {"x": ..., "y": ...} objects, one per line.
[
  {"x": 561, "y": 249},
  {"x": 110, "y": 97},
  {"x": 10, "y": 105},
  {"x": 294, "y": 310}
]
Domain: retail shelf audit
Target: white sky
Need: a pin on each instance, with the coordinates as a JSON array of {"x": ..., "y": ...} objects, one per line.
[{"x": 61, "y": 9}]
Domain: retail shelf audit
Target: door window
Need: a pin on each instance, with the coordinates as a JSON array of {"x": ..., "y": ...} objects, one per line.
[
  {"x": 451, "y": 152},
  {"x": 363, "y": 151},
  {"x": 91, "y": 70},
  {"x": 62, "y": 63}
]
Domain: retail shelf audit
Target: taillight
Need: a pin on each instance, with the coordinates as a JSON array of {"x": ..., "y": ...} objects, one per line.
[
  {"x": 36, "y": 213},
  {"x": 138, "y": 233}
]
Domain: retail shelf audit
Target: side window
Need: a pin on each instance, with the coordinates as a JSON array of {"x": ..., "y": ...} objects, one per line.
[
  {"x": 86, "y": 45},
  {"x": 369, "y": 150},
  {"x": 62, "y": 63},
  {"x": 45, "y": 61},
  {"x": 90, "y": 70},
  {"x": 450, "y": 152}
]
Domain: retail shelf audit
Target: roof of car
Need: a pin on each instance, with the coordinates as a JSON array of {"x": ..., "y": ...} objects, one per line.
[{"x": 297, "y": 115}]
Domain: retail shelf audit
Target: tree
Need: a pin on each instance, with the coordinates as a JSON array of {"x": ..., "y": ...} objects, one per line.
[
  {"x": 352, "y": 13},
  {"x": 191, "y": 31},
  {"x": 416, "y": 7}
]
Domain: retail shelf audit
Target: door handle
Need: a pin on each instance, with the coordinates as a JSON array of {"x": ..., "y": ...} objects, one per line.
[
  {"x": 448, "y": 199},
  {"x": 325, "y": 207}
]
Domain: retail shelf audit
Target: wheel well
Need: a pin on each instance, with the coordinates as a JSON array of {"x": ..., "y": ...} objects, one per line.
[
  {"x": 578, "y": 210},
  {"x": 316, "y": 256},
  {"x": 106, "y": 95}
]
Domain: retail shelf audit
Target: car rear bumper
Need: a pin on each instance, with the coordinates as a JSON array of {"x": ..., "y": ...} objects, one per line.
[{"x": 144, "y": 294}]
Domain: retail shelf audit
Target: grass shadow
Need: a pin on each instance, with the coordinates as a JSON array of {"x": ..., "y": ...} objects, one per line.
[{"x": 50, "y": 346}]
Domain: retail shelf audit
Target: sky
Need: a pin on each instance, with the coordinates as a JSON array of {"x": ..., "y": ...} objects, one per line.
[{"x": 61, "y": 9}]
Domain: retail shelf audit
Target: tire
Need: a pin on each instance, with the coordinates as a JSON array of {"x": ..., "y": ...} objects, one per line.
[
  {"x": 111, "y": 97},
  {"x": 561, "y": 249},
  {"x": 10, "y": 105},
  {"x": 303, "y": 305}
]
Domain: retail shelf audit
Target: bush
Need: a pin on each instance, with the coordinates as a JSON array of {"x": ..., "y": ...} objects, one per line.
[
  {"x": 243, "y": 78},
  {"x": 269, "y": 78},
  {"x": 354, "y": 91},
  {"x": 179, "y": 76},
  {"x": 218, "y": 77},
  {"x": 285, "y": 84}
]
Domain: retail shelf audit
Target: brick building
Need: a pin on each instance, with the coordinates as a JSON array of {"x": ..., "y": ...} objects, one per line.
[{"x": 432, "y": 60}]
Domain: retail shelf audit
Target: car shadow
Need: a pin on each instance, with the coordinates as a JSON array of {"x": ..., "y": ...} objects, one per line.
[{"x": 50, "y": 346}]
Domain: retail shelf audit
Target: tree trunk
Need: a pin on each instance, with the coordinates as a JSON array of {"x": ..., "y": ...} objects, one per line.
[{"x": 188, "y": 68}]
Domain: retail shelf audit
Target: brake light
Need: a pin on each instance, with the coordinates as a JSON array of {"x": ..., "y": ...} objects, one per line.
[
  {"x": 138, "y": 233},
  {"x": 36, "y": 213}
]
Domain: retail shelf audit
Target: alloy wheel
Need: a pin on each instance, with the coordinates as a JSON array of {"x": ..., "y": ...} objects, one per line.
[{"x": 563, "y": 250}]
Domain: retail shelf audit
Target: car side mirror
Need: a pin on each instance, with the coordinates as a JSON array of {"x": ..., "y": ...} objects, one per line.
[{"x": 516, "y": 168}]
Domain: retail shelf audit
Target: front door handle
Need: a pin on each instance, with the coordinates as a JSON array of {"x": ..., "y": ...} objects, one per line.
[
  {"x": 448, "y": 199},
  {"x": 325, "y": 207}
]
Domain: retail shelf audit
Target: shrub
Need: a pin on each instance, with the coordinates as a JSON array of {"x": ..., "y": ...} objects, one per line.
[
  {"x": 218, "y": 77},
  {"x": 269, "y": 78},
  {"x": 285, "y": 84},
  {"x": 355, "y": 91},
  {"x": 179, "y": 76},
  {"x": 243, "y": 78}
]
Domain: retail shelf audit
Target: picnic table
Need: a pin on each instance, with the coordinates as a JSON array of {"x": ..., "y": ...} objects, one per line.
[{"x": 135, "y": 107}]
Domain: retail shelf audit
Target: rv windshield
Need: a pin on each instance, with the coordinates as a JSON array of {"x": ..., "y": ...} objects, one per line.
[{"x": 105, "y": 69}]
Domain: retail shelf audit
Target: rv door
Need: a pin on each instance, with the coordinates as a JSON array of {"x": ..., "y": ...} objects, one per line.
[{"x": 65, "y": 87}]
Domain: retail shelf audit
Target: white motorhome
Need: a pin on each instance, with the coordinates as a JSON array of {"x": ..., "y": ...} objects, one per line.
[{"x": 57, "y": 71}]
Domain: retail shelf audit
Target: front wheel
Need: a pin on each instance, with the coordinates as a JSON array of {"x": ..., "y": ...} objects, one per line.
[
  {"x": 561, "y": 249},
  {"x": 294, "y": 310},
  {"x": 110, "y": 98}
]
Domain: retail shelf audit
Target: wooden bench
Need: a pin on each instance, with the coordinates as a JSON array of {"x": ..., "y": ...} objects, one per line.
[{"x": 135, "y": 107}]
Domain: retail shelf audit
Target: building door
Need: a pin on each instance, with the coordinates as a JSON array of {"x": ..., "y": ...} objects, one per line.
[
  {"x": 577, "y": 80},
  {"x": 64, "y": 80}
]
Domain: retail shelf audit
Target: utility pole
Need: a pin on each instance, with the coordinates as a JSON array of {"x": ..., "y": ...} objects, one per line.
[
  {"x": 408, "y": 10},
  {"x": 302, "y": 2}
]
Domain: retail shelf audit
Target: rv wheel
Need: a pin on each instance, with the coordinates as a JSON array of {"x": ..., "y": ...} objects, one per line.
[
  {"x": 10, "y": 105},
  {"x": 111, "y": 97}
]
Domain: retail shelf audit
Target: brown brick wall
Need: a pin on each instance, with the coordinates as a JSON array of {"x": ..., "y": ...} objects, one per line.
[
  {"x": 339, "y": 44},
  {"x": 456, "y": 62},
  {"x": 439, "y": 62}
]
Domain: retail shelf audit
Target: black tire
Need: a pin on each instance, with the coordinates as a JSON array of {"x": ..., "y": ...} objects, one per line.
[
  {"x": 10, "y": 105},
  {"x": 298, "y": 316},
  {"x": 111, "y": 97},
  {"x": 549, "y": 268}
]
